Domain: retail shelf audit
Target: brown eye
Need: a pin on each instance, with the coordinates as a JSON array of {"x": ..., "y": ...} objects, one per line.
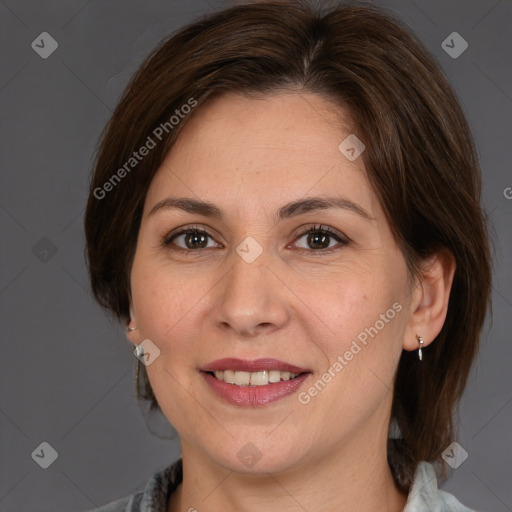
[
  {"x": 192, "y": 239},
  {"x": 195, "y": 239},
  {"x": 319, "y": 239}
]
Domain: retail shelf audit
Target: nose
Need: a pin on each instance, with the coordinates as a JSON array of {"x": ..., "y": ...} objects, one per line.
[{"x": 252, "y": 301}]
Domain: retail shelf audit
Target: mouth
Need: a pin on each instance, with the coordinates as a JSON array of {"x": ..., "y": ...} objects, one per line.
[
  {"x": 258, "y": 372},
  {"x": 253, "y": 383},
  {"x": 253, "y": 379}
]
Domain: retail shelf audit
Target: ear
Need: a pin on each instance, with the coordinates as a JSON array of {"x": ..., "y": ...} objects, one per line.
[{"x": 430, "y": 297}]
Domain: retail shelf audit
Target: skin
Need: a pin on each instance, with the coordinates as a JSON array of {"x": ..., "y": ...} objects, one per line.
[{"x": 250, "y": 157}]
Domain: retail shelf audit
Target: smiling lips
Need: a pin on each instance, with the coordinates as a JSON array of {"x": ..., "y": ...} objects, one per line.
[
  {"x": 257, "y": 365},
  {"x": 253, "y": 378},
  {"x": 251, "y": 383},
  {"x": 259, "y": 372}
]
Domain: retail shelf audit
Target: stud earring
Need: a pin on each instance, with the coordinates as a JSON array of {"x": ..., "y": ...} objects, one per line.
[
  {"x": 130, "y": 329},
  {"x": 420, "y": 354}
]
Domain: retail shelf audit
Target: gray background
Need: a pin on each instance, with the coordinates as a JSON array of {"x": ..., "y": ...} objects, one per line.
[{"x": 67, "y": 371}]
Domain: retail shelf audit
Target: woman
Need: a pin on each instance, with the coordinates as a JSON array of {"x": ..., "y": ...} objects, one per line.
[{"x": 285, "y": 214}]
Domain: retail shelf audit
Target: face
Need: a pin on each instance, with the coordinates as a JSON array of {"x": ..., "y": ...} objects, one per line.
[{"x": 252, "y": 284}]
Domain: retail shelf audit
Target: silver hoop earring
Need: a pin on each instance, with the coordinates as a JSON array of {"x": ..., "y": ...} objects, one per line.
[{"x": 420, "y": 354}]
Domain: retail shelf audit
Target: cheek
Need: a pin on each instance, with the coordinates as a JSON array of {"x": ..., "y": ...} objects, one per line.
[
  {"x": 352, "y": 303},
  {"x": 366, "y": 316},
  {"x": 359, "y": 352},
  {"x": 161, "y": 295},
  {"x": 165, "y": 304},
  {"x": 369, "y": 317}
]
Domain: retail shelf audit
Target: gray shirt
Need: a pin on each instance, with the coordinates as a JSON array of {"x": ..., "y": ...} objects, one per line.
[{"x": 424, "y": 496}]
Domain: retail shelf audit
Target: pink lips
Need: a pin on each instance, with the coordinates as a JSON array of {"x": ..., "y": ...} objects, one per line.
[
  {"x": 257, "y": 365},
  {"x": 253, "y": 395}
]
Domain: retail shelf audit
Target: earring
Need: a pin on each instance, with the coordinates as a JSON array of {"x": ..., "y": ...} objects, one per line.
[
  {"x": 130, "y": 329},
  {"x": 420, "y": 354},
  {"x": 137, "y": 371},
  {"x": 139, "y": 351}
]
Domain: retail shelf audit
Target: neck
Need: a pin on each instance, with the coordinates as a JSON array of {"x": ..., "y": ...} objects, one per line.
[{"x": 351, "y": 479}]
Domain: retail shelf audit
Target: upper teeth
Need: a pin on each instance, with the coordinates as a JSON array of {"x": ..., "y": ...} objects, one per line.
[{"x": 253, "y": 378}]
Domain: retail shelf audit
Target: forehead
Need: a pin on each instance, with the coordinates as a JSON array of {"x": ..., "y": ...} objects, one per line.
[{"x": 251, "y": 151}]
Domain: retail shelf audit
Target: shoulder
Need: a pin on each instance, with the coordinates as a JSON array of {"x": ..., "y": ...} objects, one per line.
[
  {"x": 154, "y": 498},
  {"x": 450, "y": 502},
  {"x": 425, "y": 496},
  {"x": 130, "y": 503}
]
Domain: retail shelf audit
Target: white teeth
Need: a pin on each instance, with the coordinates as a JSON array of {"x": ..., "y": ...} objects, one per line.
[
  {"x": 253, "y": 378},
  {"x": 259, "y": 378},
  {"x": 242, "y": 378},
  {"x": 274, "y": 376},
  {"x": 229, "y": 376}
]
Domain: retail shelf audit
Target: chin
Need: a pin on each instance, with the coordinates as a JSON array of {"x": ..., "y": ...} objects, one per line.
[{"x": 254, "y": 458}]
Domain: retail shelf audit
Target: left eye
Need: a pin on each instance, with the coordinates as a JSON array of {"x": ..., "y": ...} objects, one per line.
[{"x": 319, "y": 238}]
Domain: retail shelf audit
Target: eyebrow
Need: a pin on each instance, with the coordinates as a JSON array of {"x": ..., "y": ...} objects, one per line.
[{"x": 289, "y": 210}]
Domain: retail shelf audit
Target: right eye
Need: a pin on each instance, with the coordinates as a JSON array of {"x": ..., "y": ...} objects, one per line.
[{"x": 192, "y": 238}]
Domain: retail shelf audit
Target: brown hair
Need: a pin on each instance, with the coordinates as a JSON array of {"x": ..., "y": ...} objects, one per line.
[{"x": 420, "y": 159}]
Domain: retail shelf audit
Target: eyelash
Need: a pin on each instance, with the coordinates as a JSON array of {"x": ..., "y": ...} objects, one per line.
[{"x": 167, "y": 240}]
